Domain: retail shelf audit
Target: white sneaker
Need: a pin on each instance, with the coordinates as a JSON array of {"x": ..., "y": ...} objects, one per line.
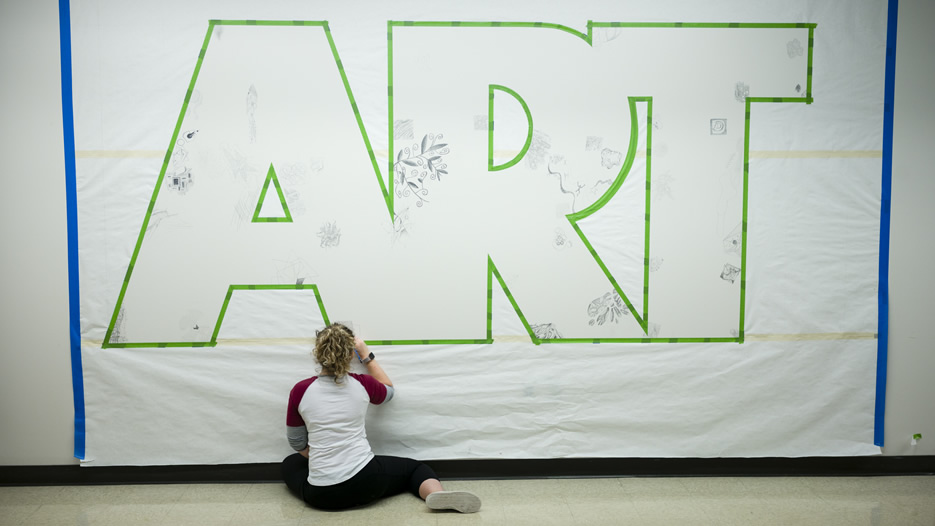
[{"x": 462, "y": 501}]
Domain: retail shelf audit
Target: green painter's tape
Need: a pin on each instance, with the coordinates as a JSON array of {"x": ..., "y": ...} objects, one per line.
[
  {"x": 608, "y": 195},
  {"x": 272, "y": 178},
  {"x": 492, "y": 271},
  {"x": 388, "y": 194},
  {"x": 490, "y": 128}
]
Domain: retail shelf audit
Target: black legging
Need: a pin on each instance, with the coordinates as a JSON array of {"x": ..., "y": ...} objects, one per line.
[{"x": 381, "y": 477}]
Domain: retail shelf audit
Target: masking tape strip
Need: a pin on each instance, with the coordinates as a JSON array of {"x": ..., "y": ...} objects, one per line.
[
  {"x": 640, "y": 154},
  {"x": 119, "y": 154},
  {"x": 821, "y": 336}
]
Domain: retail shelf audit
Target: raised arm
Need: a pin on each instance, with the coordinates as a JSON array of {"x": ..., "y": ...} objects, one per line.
[{"x": 369, "y": 360}]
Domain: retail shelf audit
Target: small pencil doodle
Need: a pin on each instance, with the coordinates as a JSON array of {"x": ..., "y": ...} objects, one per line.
[
  {"x": 243, "y": 211},
  {"x": 560, "y": 241},
  {"x": 606, "y": 34},
  {"x": 592, "y": 144},
  {"x": 653, "y": 330},
  {"x": 194, "y": 102},
  {"x": 401, "y": 224},
  {"x": 157, "y": 217},
  {"x": 188, "y": 322},
  {"x": 718, "y": 126},
  {"x": 293, "y": 199},
  {"x": 557, "y": 159},
  {"x": 240, "y": 167},
  {"x": 545, "y": 331},
  {"x": 609, "y": 307},
  {"x": 402, "y": 129},
  {"x": 610, "y": 158},
  {"x": 730, "y": 273},
  {"x": 655, "y": 263},
  {"x": 798, "y": 88},
  {"x": 601, "y": 185},
  {"x": 180, "y": 182},
  {"x": 734, "y": 241},
  {"x": 293, "y": 270},
  {"x": 741, "y": 92},
  {"x": 661, "y": 185},
  {"x": 794, "y": 48},
  {"x": 330, "y": 235},
  {"x": 735, "y": 333},
  {"x": 252, "y": 100},
  {"x": 180, "y": 153},
  {"x": 538, "y": 149},
  {"x": 423, "y": 160},
  {"x": 117, "y": 336},
  {"x": 480, "y": 123}
]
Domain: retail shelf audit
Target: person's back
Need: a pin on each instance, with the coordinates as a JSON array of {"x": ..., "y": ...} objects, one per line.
[{"x": 335, "y": 467}]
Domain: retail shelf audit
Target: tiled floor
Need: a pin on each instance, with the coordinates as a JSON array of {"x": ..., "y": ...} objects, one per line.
[{"x": 644, "y": 501}]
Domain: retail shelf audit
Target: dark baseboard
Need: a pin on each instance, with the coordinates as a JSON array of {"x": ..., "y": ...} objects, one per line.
[{"x": 493, "y": 469}]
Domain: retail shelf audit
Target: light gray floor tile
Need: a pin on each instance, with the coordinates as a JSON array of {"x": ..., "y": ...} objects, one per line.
[{"x": 826, "y": 501}]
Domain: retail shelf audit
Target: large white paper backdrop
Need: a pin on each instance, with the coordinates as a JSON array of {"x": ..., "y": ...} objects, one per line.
[{"x": 420, "y": 255}]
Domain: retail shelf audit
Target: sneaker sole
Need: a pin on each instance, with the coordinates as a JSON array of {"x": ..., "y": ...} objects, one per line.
[{"x": 461, "y": 501}]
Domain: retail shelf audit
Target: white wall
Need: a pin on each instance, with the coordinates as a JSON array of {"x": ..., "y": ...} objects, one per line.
[
  {"x": 35, "y": 367},
  {"x": 911, "y": 391},
  {"x": 36, "y": 405}
]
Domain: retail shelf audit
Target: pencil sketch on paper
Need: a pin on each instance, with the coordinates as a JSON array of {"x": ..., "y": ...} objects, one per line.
[
  {"x": 401, "y": 224},
  {"x": 252, "y": 99},
  {"x": 719, "y": 126},
  {"x": 741, "y": 92},
  {"x": 545, "y": 331},
  {"x": 180, "y": 179},
  {"x": 240, "y": 168},
  {"x": 402, "y": 129},
  {"x": 414, "y": 165},
  {"x": 292, "y": 176},
  {"x": 730, "y": 273},
  {"x": 330, "y": 235},
  {"x": 662, "y": 186},
  {"x": 562, "y": 177},
  {"x": 734, "y": 241},
  {"x": 538, "y": 149},
  {"x": 560, "y": 240},
  {"x": 189, "y": 324},
  {"x": 117, "y": 336},
  {"x": 794, "y": 48},
  {"x": 592, "y": 144},
  {"x": 610, "y": 158},
  {"x": 294, "y": 269},
  {"x": 655, "y": 263},
  {"x": 607, "y": 308}
]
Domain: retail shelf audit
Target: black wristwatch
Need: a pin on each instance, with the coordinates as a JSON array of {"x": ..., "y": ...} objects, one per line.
[{"x": 368, "y": 359}]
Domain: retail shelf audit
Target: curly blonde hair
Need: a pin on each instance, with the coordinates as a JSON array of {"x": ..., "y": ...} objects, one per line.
[{"x": 334, "y": 348}]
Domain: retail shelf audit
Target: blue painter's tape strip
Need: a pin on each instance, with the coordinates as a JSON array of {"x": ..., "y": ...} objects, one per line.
[
  {"x": 883, "y": 289},
  {"x": 71, "y": 204}
]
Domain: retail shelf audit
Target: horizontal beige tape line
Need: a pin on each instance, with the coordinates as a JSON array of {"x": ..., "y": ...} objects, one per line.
[
  {"x": 756, "y": 154},
  {"x": 119, "y": 154},
  {"x": 816, "y": 154},
  {"x": 809, "y": 336}
]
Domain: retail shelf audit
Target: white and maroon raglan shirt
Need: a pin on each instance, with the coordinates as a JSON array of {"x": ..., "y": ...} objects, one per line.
[{"x": 329, "y": 418}]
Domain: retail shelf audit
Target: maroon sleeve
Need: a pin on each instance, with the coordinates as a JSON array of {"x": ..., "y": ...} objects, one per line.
[
  {"x": 293, "y": 418},
  {"x": 375, "y": 389}
]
